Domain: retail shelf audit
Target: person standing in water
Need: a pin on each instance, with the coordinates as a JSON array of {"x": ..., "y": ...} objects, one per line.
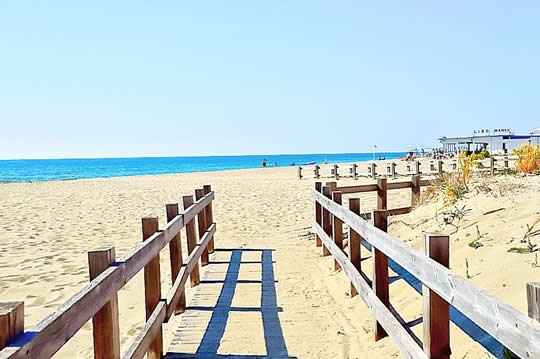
[{"x": 264, "y": 163}]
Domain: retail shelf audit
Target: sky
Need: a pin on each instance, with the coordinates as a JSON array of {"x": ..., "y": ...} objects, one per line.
[{"x": 181, "y": 78}]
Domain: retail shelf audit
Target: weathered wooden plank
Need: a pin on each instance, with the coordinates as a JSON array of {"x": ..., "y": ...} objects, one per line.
[
  {"x": 318, "y": 213},
  {"x": 151, "y": 331},
  {"x": 209, "y": 217},
  {"x": 11, "y": 321},
  {"x": 191, "y": 211},
  {"x": 533, "y": 300},
  {"x": 382, "y": 193},
  {"x": 357, "y": 189},
  {"x": 337, "y": 227},
  {"x": 355, "y": 245},
  {"x": 326, "y": 219},
  {"x": 509, "y": 326},
  {"x": 201, "y": 221},
  {"x": 381, "y": 284},
  {"x": 175, "y": 252},
  {"x": 191, "y": 237},
  {"x": 178, "y": 287},
  {"x": 408, "y": 347},
  {"x": 152, "y": 287},
  {"x": 105, "y": 322},
  {"x": 399, "y": 185},
  {"x": 436, "y": 310}
]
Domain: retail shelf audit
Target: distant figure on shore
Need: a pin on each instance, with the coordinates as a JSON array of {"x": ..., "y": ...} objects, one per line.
[
  {"x": 275, "y": 164},
  {"x": 264, "y": 163}
]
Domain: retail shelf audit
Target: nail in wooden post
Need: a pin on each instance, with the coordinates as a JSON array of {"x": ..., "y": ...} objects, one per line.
[
  {"x": 105, "y": 322},
  {"x": 191, "y": 241},
  {"x": 533, "y": 300},
  {"x": 175, "y": 249},
  {"x": 336, "y": 171},
  {"x": 440, "y": 167},
  {"x": 299, "y": 172},
  {"x": 436, "y": 310},
  {"x": 417, "y": 169},
  {"x": 318, "y": 213},
  {"x": 380, "y": 270},
  {"x": 209, "y": 218},
  {"x": 373, "y": 170},
  {"x": 382, "y": 192},
  {"x": 11, "y": 322},
  {"x": 337, "y": 227},
  {"x": 355, "y": 242},
  {"x": 355, "y": 170},
  {"x": 326, "y": 220},
  {"x": 201, "y": 221},
  {"x": 492, "y": 165},
  {"x": 152, "y": 286},
  {"x": 415, "y": 196}
]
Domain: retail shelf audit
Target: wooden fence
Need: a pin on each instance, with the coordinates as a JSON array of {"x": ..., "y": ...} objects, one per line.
[
  {"x": 98, "y": 299},
  {"x": 441, "y": 287},
  {"x": 393, "y": 170}
]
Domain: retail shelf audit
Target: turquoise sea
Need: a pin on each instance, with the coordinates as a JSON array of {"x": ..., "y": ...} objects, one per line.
[{"x": 64, "y": 169}]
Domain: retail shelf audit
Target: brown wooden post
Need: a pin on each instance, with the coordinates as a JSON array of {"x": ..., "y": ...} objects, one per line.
[
  {"x": 191, "y": 241},
  {"x": 326, "y": 220},
  {"x": 337, "y": 227},
  {"x": 317, "y": 173},
  {"x": 506, "y": 166},
  {"x": 336, "y": 171},
  {"x": 440, "y": 167},
  {"x": 11, "y": 322},
  {"x": 436, "y": 310},
  {"x": 201, "y": 221},
  {"x": 380, "y": 270},
  {"x": 105, "y": 322},
  {"x": 175, "y": 249},
  {"x": 373, "y": 170},
  {"x": 382, "y": 192},
  {"x": 318, "y": 213},
  {"x": 533, "y": 300},
  {"x": 355, "y": 243},
  {"x": 417, "y": 169},
  {"x": 355, "y": 171},
  {"x": 299, "y": 172},
  {"x": 393, "y": 170},
  {"x": 152, "y": 286},
  {"x": 415, "y": 190},
  {"x": 209, "y": 217}
]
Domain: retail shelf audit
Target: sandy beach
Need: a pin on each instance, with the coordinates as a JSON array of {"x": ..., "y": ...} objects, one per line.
[{"x": 48, "y": 227}]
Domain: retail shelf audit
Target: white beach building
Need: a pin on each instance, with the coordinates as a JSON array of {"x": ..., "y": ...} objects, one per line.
[{"x": 497, "y": 141}]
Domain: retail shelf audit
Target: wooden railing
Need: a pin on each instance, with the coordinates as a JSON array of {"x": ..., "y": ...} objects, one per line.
[
  {"x": 98, "y": 299},
  {"x": 441, "y": 287},
  {"x": 393, "y": 170}
]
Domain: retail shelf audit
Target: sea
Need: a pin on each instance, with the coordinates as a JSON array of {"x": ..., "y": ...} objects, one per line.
[{"x": 78, "y": 168}]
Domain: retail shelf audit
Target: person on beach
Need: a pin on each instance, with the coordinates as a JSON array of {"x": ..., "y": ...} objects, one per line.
[{"x": 264, "y": 163}]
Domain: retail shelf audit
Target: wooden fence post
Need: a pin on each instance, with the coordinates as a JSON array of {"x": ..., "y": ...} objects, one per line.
[
  {"x": 380, "y": 270},
  {"x": 11, "y": 322},
  {"x": 175, "y": 249},
  {"x": 415, "y": 197},
  {"x": 191, "y": 241},
  {"x": 533, "y": 300},
  {"x": 440, "y": 167},
  {"x": 373, "y": 170},
  {"x": 506, "y": 165},
  {"x": 299, "y": 172},
  {"x": 492, "y": 165},
  {"x": 336, "y": 171},
  {"x": 417, "y": 169},
  {"x": 326, "y": 219},
  {"x": 393, "y": 171},
  {"x": 382, "y": 192},
  {"x": 201, "y": 221},
  {"x": 105, "y": 322},
  {"x": 209, "y": 217},
  {"x": 318, "y": 213},
  {"x": 355, "y": 243},
  {"x": 355, "y": 171},
  {"x": 436, "y": 310},
  {"x": 317, "y": 173},
  {"x": 337, "y": 227},
  {"x": 152, "y": 286}
]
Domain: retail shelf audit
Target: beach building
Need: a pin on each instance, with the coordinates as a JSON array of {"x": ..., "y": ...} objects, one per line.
[{"x": 499, "y": 140}]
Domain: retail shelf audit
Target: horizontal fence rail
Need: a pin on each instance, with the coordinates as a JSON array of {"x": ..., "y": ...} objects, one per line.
[
  {"x": 97, "y": 300},
  {"x": 513, "y": 329}
]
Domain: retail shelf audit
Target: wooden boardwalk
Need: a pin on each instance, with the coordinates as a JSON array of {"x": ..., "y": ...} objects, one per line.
[{"x": 235, "y": 305}]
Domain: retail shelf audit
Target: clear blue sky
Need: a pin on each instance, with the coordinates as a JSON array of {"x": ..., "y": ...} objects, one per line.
[{"x": 139, "y": 78}]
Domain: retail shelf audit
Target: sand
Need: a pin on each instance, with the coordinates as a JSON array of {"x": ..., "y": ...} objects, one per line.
[{"x": 47, "y": 228}]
